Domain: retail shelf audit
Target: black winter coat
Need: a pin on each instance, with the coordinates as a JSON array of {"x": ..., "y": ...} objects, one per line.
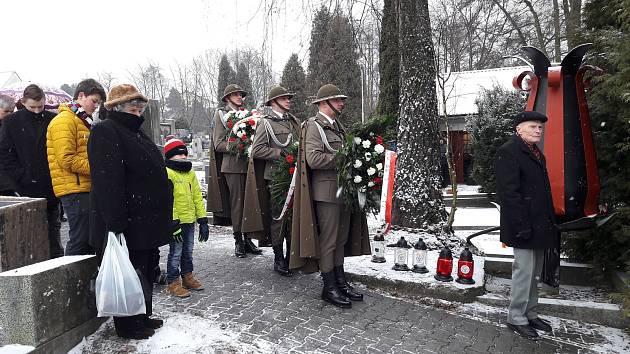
[
  {"x": 527, "y": 216},
  {"x": 23, "y": 157},
  {"x": 130, "y": 190}
]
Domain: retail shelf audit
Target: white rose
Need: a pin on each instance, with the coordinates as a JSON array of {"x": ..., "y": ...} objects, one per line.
[
  {"x": 379, "y": 166},
  {"x": 357, "y": 140},
  {"x": 242, "y": 125},
  {"x": 357, "y": 163},
  {"x": 366, "y": 144},
  {"x": 379, "y": 149},
  {"x": 357, "y": 179},
  {"x": 368, "y": 156},
  {"x": 371, "y": 171},
  {"x": 370, "y": 184}
]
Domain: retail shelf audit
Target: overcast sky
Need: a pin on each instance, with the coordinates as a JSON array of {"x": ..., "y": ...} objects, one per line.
[{"x": 62, "y": 41}]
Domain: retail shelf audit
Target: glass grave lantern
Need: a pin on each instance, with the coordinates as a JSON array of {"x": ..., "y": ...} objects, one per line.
[
  {"x": 401, "y": 252},
  {"x": 378, "y": 247},
  {"x": 419, "y": 259}
]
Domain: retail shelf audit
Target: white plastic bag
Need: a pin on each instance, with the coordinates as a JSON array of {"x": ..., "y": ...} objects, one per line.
[{"x": 118, "y": 288}]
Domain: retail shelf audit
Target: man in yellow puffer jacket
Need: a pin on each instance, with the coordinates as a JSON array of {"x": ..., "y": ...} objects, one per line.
[
  {"x": 188, "y": 207},
  {"x": 66, "y": 142}
]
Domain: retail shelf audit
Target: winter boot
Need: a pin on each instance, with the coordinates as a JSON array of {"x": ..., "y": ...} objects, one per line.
[
  {"x": 175, "y": 289},
  {"x": 331, "y": 294},
  {"x": 279, "y": 263},
  {"x": 250, "y": 247},
  {"x": 153, "y": 323},
  {"x": 239, "y": 245},
  {"x": 189, "y": 282},
  {"x": 132, "y": 328},
  {"x": 344, "y": 287}
]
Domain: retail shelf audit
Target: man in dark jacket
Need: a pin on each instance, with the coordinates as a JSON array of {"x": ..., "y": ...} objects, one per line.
[
  {"x": 527, "y": 218},
  {"x": 130, "y": 195},
  {"x": 24, "y": 161}
]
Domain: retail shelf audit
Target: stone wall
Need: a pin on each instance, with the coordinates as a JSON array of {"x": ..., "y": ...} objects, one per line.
[{"x": 23, "y": 232}]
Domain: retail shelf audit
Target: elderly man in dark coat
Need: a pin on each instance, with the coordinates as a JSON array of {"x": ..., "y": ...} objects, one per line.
[{"x": 527, "y": 218}]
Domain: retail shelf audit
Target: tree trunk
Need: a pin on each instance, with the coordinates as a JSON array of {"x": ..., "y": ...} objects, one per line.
[
  {"x": 557, "y": 55},
  {"x": 573, "y": 14},
  {"x": 417, "y": 200},
  {"x": 539, "y": 35}
]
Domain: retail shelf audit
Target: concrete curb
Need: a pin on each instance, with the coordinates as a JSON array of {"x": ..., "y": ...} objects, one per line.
[
  {"x": 570, "y": 273},
  {"x": 419, "y": 290},
  {"x": 610, "y": 315}
]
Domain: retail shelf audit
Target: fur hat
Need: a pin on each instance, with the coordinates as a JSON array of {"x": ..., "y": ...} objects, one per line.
[
  {"x": 529, "y": 115},
  {"x": 123, "y": 93},
  {"x": 174, "y": 147}
]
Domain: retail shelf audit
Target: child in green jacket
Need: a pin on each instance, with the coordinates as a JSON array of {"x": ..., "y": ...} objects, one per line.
[{"x": 188, "y": 207}]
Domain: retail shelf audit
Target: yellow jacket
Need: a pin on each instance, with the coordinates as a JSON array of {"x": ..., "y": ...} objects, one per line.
[{"x": 66, "y": 142}]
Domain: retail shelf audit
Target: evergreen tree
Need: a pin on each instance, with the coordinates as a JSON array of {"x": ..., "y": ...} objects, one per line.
[
  {"x": 608, "y": 27},
  {"x": 242, "y": 79},
  {"x": 294, "y": 80},
  {"x": 226, "y": 76},
  {"x": 389, "y": 63},
  {"x": 490, "y": 128},
  {"x": 417, "y": 200},
  {"x": 334, "y": 59}
]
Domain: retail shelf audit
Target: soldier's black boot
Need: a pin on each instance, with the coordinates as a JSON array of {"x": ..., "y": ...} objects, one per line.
[
  {"x": 239, "y": 245},
  {"x": 250, "y": 247},
  {"x": 279, "y": 263},
  {"x": 344, "y": 287},
  {"x": 331, "y": 294}
]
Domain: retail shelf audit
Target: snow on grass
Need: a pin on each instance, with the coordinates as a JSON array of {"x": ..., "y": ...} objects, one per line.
[{"x": 16, "y": 349}]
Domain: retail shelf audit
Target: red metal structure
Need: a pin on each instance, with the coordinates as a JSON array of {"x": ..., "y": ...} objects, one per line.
[{"x": 559, "y": 93}]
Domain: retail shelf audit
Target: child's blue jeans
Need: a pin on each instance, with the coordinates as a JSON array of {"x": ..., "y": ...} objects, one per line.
[{"x": 180, "y": 254}]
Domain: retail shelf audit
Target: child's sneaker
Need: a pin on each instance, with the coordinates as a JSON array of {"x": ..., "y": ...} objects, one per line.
[
  {"x": 189, "y": 282},
  {"x": 175, "y": 289}
]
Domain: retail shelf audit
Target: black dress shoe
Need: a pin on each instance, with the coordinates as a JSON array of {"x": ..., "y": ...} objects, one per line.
[
  {"x": 540, "y": 324},
  {"x": 250, "y": 247},
  {"x": 239, "y": 245},
  {"x": 280, "y": 265},
  {"x": 331, "y": 294},
  {"x": 153, "y": 323},
  {"x": 524, "y": 331},
  {"x": 344, "y": 287}
]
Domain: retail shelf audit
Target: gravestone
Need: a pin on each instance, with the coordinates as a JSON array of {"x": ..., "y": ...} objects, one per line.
[{"x": 23, "y": 232}]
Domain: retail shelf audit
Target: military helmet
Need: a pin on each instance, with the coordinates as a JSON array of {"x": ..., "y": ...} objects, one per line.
[
  {"x": 275, "y": 92},
  {"x": 327, "y": 92},
  {"x": 232, "y": 88}
]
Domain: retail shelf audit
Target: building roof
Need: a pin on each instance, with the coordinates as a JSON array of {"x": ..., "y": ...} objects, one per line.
[
  {"x": 8, "y": 77},
  {"x": 463, "y": 87}
]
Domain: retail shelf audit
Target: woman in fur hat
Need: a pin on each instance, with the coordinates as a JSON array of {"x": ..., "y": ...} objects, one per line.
[{"x": 130, "y": 195}]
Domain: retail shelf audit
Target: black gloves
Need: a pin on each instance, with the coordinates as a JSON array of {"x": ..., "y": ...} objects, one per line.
[
  {"x": 176, "y": 231},
  {"x": 204, "y": 230}
]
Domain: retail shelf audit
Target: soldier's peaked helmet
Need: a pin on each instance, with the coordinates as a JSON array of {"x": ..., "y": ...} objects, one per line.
[
  {"x": 277, "y": 92},
  {"x": 230, "y": 89},
  {"x": 328, "y": 92}
]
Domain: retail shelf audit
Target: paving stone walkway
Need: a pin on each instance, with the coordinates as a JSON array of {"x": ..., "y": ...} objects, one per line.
[{"x": 270, "y": 313}]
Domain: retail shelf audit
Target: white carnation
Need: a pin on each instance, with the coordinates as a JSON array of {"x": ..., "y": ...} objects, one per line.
[
  {"x": 240, "y": 133},
  {"x": 357, "y": 163},
  {"x": 370, "y": 184},
  {"x": 357, "y": 140},
  {"x": 357, "y": 179},
  {"x": 366, "y": 144},
  {"x": 379, "y": 166},
  {"x": 379, "y": 149},
  {"x": 242, "y": 125},
  {"x": 368, "y": 156},
  {"x": 371, "y": 171}
]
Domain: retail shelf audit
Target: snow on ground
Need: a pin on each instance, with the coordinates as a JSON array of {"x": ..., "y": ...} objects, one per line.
[
  {"x": 476, "y": 217},
  {"x": 184, "y": 333},
  {"x": 16, "y": 349},
  {"x": 462, "y": 189}
]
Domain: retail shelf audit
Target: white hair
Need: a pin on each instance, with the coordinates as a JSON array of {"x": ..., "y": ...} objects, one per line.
[{"x": 6, "y": 102}]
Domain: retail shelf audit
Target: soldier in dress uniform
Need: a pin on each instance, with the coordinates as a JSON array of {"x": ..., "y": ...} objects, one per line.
[
  {"x": 233, "y": 170},
  {"x": 324, "y": 228},
  {"x": 275, "y": 133}
]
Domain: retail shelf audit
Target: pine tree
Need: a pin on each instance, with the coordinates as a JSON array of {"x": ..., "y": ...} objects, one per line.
[
  {"x": 294, "y": 80},
  {"x": 389, "y": 62},
  {"x": 242, "y": 79},
  {"x": 417, "y": 200},
  {"x": 334, "y": 59},
  {"x": 226, "y": 76},
  {"x": 489, "y": 129}
]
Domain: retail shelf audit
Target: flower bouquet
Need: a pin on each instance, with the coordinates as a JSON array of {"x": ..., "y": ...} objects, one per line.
[
  {"x": 282, "y": 176},
  {"x": 241, "y": 128},
  {"x": 360, "y": 164}
]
